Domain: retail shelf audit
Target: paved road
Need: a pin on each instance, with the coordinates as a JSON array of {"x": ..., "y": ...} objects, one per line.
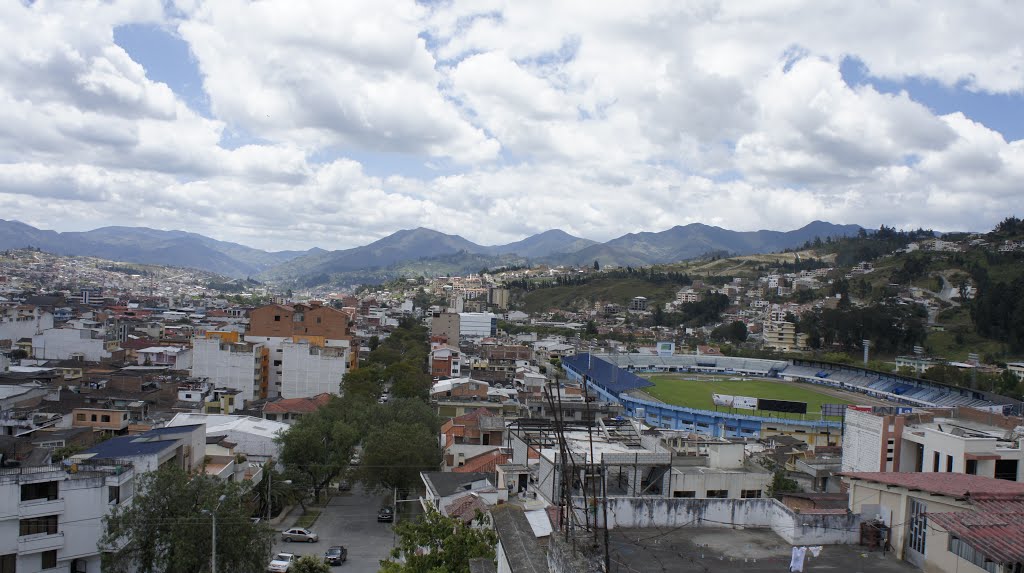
[{"x": 350, "y": 519}]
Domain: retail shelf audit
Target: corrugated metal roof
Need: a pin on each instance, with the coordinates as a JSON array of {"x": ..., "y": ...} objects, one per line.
[{"x": 995, "y": 528}]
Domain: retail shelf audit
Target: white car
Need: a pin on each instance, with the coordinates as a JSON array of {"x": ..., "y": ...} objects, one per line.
[
  {"x": 299, "y": 534},
  {"x": 281, "y": 563}
]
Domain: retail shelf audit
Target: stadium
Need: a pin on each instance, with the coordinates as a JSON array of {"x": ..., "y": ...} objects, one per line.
[{"x": 677, "y": 392}]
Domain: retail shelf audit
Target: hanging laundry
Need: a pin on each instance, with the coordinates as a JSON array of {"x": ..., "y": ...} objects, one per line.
[
  {"x": 815, "y": 551},
  {"x": 796, "y": 561}
]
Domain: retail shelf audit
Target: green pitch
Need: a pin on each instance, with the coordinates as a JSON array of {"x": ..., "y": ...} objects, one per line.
[{"x": 697, "y": 393}]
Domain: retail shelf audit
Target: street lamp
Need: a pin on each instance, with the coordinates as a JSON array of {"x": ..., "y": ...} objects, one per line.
[{"x": 213, "y": 545}]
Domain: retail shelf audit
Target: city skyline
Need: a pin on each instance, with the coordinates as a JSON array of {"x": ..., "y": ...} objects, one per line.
[{"x": 287, "y": 126}]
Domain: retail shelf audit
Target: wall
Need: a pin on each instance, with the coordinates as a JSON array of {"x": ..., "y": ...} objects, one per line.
[
  {"x": 862, "y": 442},
  {"x": 310, "y": 370},
  {"x": 61, "y": 343},
  {"x": 795, "y": 529},
  {"x": 228, "y": 365}
]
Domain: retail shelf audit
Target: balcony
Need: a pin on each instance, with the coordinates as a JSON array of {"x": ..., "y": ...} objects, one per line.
[
  {"x": 40, "y": 507},
  {"x": 40, "y": 542}
]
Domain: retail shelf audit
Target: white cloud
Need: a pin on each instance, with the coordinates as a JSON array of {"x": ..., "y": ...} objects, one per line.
[{"x": 598, "y": 120}]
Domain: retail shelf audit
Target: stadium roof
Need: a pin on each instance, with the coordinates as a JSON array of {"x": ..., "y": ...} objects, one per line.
[{"x": 605, "y": 374}]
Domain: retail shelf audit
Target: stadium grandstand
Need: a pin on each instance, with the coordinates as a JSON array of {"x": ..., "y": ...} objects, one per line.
[{"x": 601, "y": 368}]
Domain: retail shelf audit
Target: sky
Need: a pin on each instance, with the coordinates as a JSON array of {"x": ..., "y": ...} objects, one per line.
[{"x": 288, "y": 124}]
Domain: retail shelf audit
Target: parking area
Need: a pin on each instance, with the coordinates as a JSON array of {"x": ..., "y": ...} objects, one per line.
[{"x": 350, "y": 519}]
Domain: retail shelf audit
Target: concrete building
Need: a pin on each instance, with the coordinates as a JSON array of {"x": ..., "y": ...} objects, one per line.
[
  {"x": 498, "y": 297},
  {"x": 477, "y": 324},
  {"x": 286, "y": 321},
  {"x": 934, "y": 440},
  {"x": 445, "y": 324},
  {"x": 309, "y": 369},
  {"x": 73, "y": 344},
  {"x": 51, "y": 517},
  {"x": 639, "y": 303},
  {"x": 445, "y": 361},
  {"x": 783, "y": 336},
  {"x": 914, "y": 508},
  {"x": 176, "y": 357},
  {"x": 182, "y": 447},
  {"x": 242, "y": 366},
  {"x": 23, "y": 321}
]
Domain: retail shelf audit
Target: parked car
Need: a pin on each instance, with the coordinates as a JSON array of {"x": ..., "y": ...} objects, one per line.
[
  {"x": 386, "y": 513},
  {"x": 336, "y": 555},
  {"x": 281, "y": 563},
  {"x": 299, "y": 534},
  {"x": 344, "y": 485}
]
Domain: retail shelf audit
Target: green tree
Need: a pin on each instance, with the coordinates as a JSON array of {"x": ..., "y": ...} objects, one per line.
[
  {"x": 397, "y": 451},
  {"x": 597, "y": 265},
  {"x": 310, "y": 564},
  {"x": 449, "y": 545},
  {"x": 318, "y": 445},
  {"x": 781, "y": 484},
  {"x": 167, "y": 527}
]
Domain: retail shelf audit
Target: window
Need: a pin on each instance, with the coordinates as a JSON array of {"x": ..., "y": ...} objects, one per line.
[
  {"x": 46, "y": 524},
  {"x": 960, "y": 548},
  {"x": 114, "y": 494},
  {"x": 41, "y": 490},
  {"x": 750, "y": 494},
  {"x": 80, "y": 417},
  {"x": 718, "y": 493},
  {"x": 93, "y": 418},
  {"x": 935, "y": 467},
  {"x": 972, "y": 467},
  {"x": 684, "y": 494},
  {"x": 277, "y": 318},
  {"x": 318, "y": 320},
  {"x": 49, "y": 559},
  {"x": 105, "y": 418},
  {"x": 8, "y": 562},
  {"x": 949, "y": 463}
]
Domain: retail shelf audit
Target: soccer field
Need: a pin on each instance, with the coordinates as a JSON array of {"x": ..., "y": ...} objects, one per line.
[{"x": 697, "y": 393}]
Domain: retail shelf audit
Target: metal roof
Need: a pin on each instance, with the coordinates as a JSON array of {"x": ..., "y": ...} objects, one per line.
[{"x": 995, "y": 528}]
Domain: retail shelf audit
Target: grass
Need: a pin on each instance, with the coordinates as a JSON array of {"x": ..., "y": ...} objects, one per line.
[
  {"x": 677, "y": 390},
  {"x": 308, "y": 519},
  {"x": 620, "y": 291}
]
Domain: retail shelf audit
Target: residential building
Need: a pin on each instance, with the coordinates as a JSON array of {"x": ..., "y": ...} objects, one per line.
[
  {"x": 310, "y": 369},
  {"x": 688, "y": 295},
  {"x": 934, "y": 440},
  {"x": 498, "y": 297},
  {"x": 108, "y": 421},
  {"x": 286, "y": 321},
  {"x": 84, "y": 344},
  {"x": 243, "y": 366},
  {"x": 23, "y": 321},
  {"x": 783, "y": 336},
  {"x": 445, "y": 361},
  {"x": 182, "y": 447},
  {"x": 443, "y": 487},
  {"x": 176, "y": 357},
  {"x": 288, "y": 410},
  {"x": 639, "y": 303},
  {"x": 919, "y": 364},
  {"x": 935, "y": 522},
  {"x": 446, "y": 324},
  {"x": 51, "y": 517}
]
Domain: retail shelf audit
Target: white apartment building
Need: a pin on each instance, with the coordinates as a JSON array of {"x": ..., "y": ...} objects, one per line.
[
  {"x": 1016, "y": 368},
  {"x": 278, "y": 369},
  {"x": 51, "y": 516},
  {"x": 960, "y": 440},
  {"x": 71, "y": 344},
  {"x": 309, "y": 370},
  {"x": 688, "y": 295},
  {"x": 230, "y": 365},
  {"x": 22, "y": 321}
]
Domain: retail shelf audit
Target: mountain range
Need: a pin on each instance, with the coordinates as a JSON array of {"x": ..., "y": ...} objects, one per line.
[{"x": 404, "y": 252}]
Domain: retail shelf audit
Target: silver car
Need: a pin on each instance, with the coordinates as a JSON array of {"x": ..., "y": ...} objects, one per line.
[{"x": 299, "y": 534}]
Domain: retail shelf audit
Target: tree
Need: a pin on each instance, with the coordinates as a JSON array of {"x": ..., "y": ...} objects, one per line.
[
  {"x": 781, "y": 484},
  {"x": 310, "y": 564},
  {"x": 396, "y": 452},
  {"x": 597, "y": 266},
  {"x": 449, "y": 544},
  {"x": 319, "y": 444},
  {"x": 167, "y": 527}
]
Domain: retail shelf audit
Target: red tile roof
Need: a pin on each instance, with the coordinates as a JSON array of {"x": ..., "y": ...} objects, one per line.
[
  {"x": 950, "y": 484},
  {"x": 297, "y": 405},
  {"x": 995, "y": 528},
  {"x": 485, "y": 462},
  {"x": 465, "y": 507}
]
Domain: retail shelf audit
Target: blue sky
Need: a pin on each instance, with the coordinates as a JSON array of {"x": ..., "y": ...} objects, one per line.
[{"x": 290, "y": 125}]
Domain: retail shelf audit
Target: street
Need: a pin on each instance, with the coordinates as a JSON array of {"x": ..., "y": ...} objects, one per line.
[{"x": 350, "y": 519}]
